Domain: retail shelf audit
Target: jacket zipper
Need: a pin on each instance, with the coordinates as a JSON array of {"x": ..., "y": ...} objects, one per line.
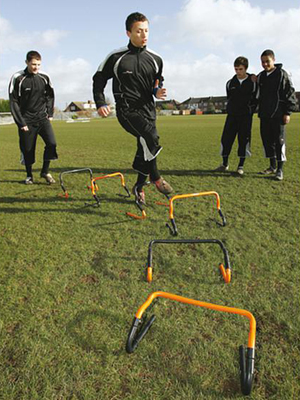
[{"x": 138, "y": 60}]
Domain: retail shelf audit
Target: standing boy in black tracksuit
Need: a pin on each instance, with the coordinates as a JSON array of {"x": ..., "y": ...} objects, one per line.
[
  {"x": 31, "y": 98},
  {"x": 241, "y": 96},
  {"x": 276, "y": 102},
  {"x": 137, "y": 77}
]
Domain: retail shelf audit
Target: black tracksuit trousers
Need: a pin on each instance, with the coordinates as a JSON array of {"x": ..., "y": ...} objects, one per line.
[
  {"x": 272, "y": 133},
  {"x": 28, "y": 139},
  {"x": 240, "y": 126},
  {"x": 144, "y": 129}
]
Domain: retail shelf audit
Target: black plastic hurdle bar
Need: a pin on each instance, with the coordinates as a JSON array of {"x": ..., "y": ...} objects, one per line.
[{"x": 224, "y": 268}]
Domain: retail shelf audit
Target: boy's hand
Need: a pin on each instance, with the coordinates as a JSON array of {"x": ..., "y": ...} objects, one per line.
[
  {"x": 25, "y": 128},
  {"x": 286, "y": 119},
  {"x": 253, "y": 78},
  {"x": 104, "y": 111},
  {"x": 161, "y": 93}
]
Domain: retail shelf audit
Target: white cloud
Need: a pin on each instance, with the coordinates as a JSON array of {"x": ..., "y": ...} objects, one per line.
[
  {"x": 51, "y": 37},
  {"x": 72, "y": 80},
  {"x": 15, "y": 41},
  {"x": 223, "y": 23},
  {"x": 204, "y": 77},
  {"x": 204, "y": 38}
]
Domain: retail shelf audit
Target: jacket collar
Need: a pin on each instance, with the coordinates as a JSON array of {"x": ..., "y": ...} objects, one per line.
[
  {"x": 135, "y": 49},
  {"x": 27, "y": 72}
]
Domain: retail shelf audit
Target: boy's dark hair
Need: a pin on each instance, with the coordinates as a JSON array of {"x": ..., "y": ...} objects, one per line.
[
  {"x": 134, "y": 17},
  {"x": 33, "y": 54},
  {"x": 241, "y": 61},
  {"x": 268, "y": 53}
]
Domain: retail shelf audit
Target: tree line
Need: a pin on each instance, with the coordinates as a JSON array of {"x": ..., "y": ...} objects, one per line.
[{"x": 4, "y": 105}]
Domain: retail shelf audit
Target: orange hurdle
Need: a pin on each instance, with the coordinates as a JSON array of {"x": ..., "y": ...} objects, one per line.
[
  {"x": 94, "y": 187},
  {"x": 173, "y": 229},
  {"x": 139, "y": 329}
]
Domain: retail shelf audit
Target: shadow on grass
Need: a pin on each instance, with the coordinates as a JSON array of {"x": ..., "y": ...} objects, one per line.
[
  {"x": 60, "y": 199},
  {"x": 96, "y": 331},
  {"x": 69, "y": 168},
  {"x": 166, "y": 172}
]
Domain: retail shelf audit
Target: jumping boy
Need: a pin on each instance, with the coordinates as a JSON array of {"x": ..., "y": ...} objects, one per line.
[
  {"x": 241, "y": 104},
  {"x": 137, "y": 77},
  {"x": 276, "y": 102},
  {"x": 31, "y": 98}
]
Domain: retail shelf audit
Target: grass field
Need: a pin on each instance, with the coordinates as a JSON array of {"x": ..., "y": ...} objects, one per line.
[{"x": 72, "y": 277}]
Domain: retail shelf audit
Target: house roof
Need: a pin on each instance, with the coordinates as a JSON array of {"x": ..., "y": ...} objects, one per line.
[
  {"x": 79, "y": 104},
  {"x": 194, "y": 100}
]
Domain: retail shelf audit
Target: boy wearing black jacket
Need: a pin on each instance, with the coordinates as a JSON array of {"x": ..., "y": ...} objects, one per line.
[
  {"x": 276, "y": 101},
  {"x": 241, "y": 96},
  {"x": 137, "y": 77},
  {"x": 31, "y": 99}
]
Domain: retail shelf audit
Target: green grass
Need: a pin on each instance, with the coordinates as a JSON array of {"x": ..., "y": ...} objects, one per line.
[{"x": 73, "y": 277}]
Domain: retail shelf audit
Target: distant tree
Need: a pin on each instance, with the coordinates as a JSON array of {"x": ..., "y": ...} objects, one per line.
[{"x": 4, "y": 105}]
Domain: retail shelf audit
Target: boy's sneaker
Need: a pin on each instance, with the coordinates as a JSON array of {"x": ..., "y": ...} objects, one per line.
[
  {"x": 163, "y": 186},
  {"x": 28, "y": 180},
  {"x": 279, "y": 175},
  {"x": 139, "y": 196},
  {"x": 240, "y": 171},
  {"x": 268, "y": 171},
  {"x": 48, "y": 177},
  {"x": 222, "y": 168}
]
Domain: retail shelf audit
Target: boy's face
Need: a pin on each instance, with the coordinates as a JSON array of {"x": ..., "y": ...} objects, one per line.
[
  {"x": 267, "y": 63},
  {"x": 33, "y": 65},
  {"x": 240, "y": 71},
  {"x": 139, "y": 33}
]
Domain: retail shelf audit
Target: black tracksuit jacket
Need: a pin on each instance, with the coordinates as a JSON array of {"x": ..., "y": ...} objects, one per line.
[
  {"x": 276, "y": 94},
  {"x": 241, "y": 96},
  {"x": 134, "y": 72},
  {"x": 31, "y": 97}
]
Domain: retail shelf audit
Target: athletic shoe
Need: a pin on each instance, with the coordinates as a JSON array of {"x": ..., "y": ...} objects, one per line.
[
  {"x": 279, "y": 175},
  {"x": 49, "y": 179},
  {"x": 28, "y": 180},
  {"x": 268, "y": 171},
  {"x": 240, "y": 171},
  {"x": 141, "y": 198},
  {"x": 222, "y": 168},
  {"x": 163, "y": 186}
]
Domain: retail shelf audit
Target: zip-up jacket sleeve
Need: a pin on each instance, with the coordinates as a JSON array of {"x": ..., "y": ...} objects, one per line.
[
  {"x": 227, "y": 89},
  {"x": 159, "y": 75},
  {"x": 104, "y": 73},
  {"x": 254, "y": 97},
  {"x": 288, "y": 94},
  {"x": 14, "y": 101},
  {"x": 49, "y": 98}
]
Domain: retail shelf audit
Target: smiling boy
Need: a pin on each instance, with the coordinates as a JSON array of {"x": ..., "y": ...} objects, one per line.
[
  {"x": 276, "y": 102},
  {"x": 241, "y": 104},
  {"x": 137, "y": 77},
  {"x": 31, "y": 98}
]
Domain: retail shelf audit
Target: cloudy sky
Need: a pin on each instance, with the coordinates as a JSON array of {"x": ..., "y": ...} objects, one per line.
[{"x": 198, "y": 40}]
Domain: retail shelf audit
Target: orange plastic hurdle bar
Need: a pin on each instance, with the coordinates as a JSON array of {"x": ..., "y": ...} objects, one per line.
[
  {"x": 224, "y": 268},
  {"x": 94, "y": 187},
  {"x": 139, "y": 329},
  {"x": 173, "y": 229}
]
